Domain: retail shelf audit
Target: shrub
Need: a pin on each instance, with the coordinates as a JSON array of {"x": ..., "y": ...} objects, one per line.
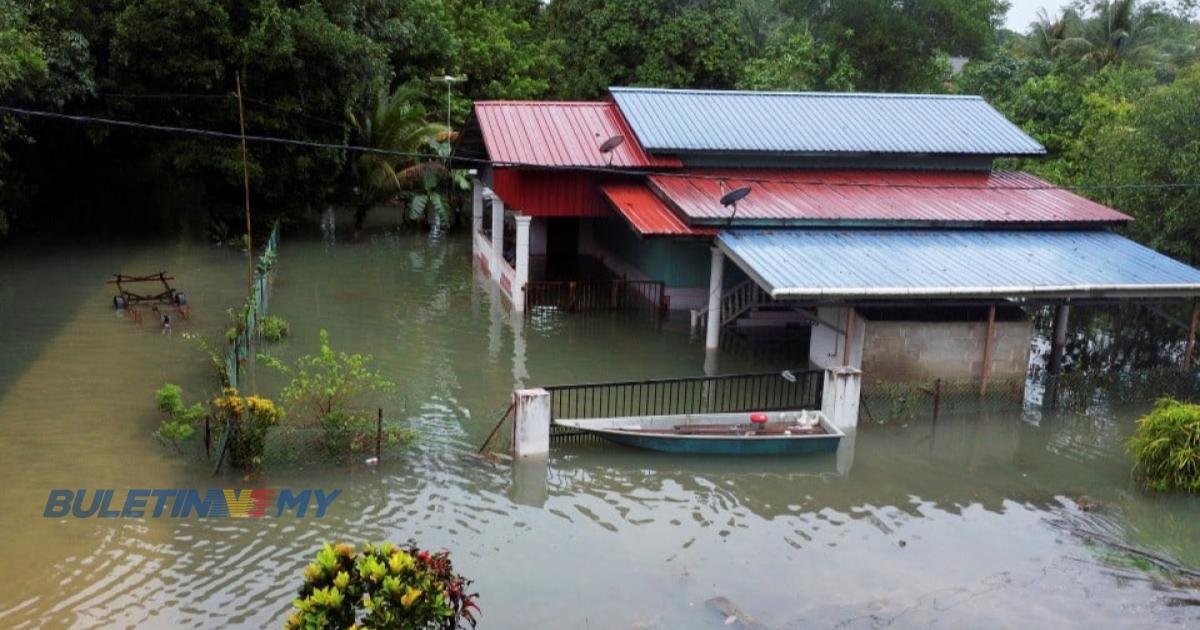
[
  {"x": 1166, "y": 447},
  {"x": 274, "y": 328},
  {"x": 385, "y": 587},
  {"x": 356, "y": 433},
  {"x": 249, "y": 418},
  {"x": 179, "y": 423},
  {"x": 327, "y": 382}
]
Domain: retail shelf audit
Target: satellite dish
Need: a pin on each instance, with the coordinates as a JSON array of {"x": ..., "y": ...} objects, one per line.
[
  {"x": 606, "y": 147},
  {"x": 732, "y": 197}
]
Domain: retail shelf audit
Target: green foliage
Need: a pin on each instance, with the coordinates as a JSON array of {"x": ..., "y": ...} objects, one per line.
[
  {"x": 797, "y": 61},
  {"x": 249, "y": 419},
  {"x": 327, "y": 383},
  {"x": 386, "y": 587},
  {"x": 1166, "y": 447},
  {"x": 180, "y": 421},
  {"x": 274, "y": 328}
]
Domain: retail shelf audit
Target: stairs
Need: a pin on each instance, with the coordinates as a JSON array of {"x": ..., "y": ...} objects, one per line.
[{"x": 746, "y": 305}]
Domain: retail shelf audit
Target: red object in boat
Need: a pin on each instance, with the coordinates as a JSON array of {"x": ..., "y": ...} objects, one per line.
[{"x": 758, "y": 417}]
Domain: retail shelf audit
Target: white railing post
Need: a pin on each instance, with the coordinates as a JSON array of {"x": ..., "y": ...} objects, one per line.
[
  {"x": 839, "y": 399},
  {"x": 521, "y": 267},
  {"x": 531, "y": 422},
  {"x": 497, "y": 237}
]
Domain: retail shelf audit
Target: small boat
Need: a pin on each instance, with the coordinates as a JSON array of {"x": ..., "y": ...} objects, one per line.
[{"x": 742, "y": 433}]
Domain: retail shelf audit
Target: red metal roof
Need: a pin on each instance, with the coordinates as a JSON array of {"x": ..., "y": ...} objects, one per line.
[
  {"x": 647, "y": 213},
  {"x": 555, "y": 133},
  {"x": 841, "y": 197}
]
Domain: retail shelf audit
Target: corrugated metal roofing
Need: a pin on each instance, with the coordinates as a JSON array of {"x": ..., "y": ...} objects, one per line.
[
  {"x": 821, "y": 123},
  {"x": 547, "y": 133},
  {"x": 647, "y": 213},
  {"x": 857, "y": 197},
  {"x": 859, "y": 264}
]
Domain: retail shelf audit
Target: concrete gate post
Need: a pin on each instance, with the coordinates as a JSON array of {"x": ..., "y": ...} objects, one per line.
[
  {"x": 531, "y": 422},
  {"x": 476, "y": 212},
  {"x": 839, "y": 401}
]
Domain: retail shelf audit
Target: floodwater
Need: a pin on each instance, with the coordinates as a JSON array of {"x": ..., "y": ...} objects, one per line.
[{"x": 1002, "y": 520}]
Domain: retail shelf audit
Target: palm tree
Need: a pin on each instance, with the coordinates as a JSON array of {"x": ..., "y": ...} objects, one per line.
[
  {"x": 399, "y": 131},
  {"x": 1051, "y": 38},
  {"x": 1120, "y": 32}
]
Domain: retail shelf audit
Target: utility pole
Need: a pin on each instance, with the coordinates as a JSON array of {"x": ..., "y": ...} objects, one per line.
[{"x": 246, "y": 186}]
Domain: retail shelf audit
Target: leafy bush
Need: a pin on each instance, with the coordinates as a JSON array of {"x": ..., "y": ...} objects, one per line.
[
  {"x": 1166, "y": 447},
  {"x": 249, "y": 418},
  {"x": 385, "y": 587},
  {"x": 327, "y": 383},
  {"x": 274, "y": 328},
  {"x": 179, "y": 423},
  {"x": 353, "y": 434}
]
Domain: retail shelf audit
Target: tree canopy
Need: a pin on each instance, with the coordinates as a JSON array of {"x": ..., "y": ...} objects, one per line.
[{"x": 1109, "y": 86}]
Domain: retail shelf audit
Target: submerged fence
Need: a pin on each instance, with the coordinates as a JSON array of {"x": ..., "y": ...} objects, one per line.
[
  {"x": 246, "y": 326},
  {"x": 599, "y": 295},
  {"x": 764, "y": 391}
]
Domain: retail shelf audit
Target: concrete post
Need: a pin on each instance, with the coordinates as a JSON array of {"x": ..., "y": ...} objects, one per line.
[
  {"x": 712, "y": 336},
  {"x": 531, "y": 422},
  {"x": 497, "y": 237},
  {"x": 521, "y": 268},
  {"x": 476, "y": 210},
  {"x": 839, "y": 402}
]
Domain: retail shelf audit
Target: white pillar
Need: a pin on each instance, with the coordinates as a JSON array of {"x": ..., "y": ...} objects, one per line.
[
  {"x": 497, "y": 237},
  {"x": 476, "y": 210},
  {"x": 521, "y": 268},
  {"x": 713, "y": 334},
  {"x": 839, "y": 401},
  {"x": 531, "y": 422}
]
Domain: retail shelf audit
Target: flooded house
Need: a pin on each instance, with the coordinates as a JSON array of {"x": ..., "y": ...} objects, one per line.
[{"x": 874, "y": 225}]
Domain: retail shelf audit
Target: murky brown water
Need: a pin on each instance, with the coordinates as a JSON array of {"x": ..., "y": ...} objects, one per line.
[{"x": 966, "y": 522}]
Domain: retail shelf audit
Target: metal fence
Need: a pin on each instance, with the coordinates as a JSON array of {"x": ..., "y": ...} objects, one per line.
[
  {"x": 764, "y": 391},
  {"x": 1079, "y": 391},
  {"x": 882, "y": 400},
  {"x": 242, "y": 346},
  {"x": 597, "y": 295}
]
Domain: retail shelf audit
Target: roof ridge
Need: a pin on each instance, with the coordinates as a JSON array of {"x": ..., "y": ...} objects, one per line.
[
  {"x": 546, "y": 103},
  {"x": 885, "y": 95}
]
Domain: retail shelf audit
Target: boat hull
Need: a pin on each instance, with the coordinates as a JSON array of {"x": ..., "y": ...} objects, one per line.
[{"x": 639, "y": 432}]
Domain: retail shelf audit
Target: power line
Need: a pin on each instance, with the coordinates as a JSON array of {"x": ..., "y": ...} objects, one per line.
[{"x": 603, "y": 170}]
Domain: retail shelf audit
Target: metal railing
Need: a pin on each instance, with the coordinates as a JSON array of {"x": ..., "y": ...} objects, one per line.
[
  {"x": 597, "y": 295},
  {"x": 764, "y": 391},
  {"x": 735, "y": 302}
]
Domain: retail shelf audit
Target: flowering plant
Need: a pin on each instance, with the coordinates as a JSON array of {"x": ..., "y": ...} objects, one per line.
[{"x": 385, "y": 587}]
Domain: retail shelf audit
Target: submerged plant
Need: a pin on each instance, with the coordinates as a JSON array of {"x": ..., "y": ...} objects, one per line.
[
  {"x": 1166, "y": 447},
  {"x": 180, "y": 421},
  {"x": 274, "y": 328},
  {"x": 386, "y": 587},
  {"x": 249, "y": 419},
  {"x": 327, "y": 382}
]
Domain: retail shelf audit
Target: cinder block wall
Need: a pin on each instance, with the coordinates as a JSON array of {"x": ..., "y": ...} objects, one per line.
[{"x": 951, "y": 350}]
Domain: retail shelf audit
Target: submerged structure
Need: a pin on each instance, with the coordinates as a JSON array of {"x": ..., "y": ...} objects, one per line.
[{"x": 875, "y": 224}]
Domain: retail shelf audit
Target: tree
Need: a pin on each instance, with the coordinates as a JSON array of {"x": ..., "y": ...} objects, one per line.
[
  {"x": 1120, "y": 31},
  {"x": 397, "y": 127},
  {"x": 793, "y": 59},
  {"x": 665, "y": 43}
]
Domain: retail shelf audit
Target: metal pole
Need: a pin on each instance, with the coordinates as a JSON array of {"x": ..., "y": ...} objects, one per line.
[
  {"x": 987, "y": 350},
  {"x": 246, "y": 186},
  {"x": 378, "y": 434}
]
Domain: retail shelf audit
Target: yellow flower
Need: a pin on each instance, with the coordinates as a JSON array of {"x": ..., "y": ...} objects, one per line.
[{"x": 409, "y": 597}]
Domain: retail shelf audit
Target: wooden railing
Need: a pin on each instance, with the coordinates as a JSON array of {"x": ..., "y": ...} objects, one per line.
[
  {"x": 597, "y": 295},
  {"x": 734, "y": 303}
]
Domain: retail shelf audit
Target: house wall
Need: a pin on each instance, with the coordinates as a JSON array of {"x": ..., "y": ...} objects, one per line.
[
  {"x": 682, "y": 265},
  {"x": 827, "y": 345},
  {"x": 549, "y": 193},
  {"x": 949, "y": 350}
]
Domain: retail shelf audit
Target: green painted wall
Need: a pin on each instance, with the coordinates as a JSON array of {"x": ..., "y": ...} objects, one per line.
[{"x": 676, "y": 263}]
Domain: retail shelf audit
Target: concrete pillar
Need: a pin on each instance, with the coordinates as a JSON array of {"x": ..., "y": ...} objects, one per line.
[
  {"x": 839, "y": 401},
  {"x": 712, "y": 336},
  {"x": 476, "y": 210},
  {"x": 521, "y": 266},
  {"x": 1058, "y": 341},
  {"x": 497, "y": 237},
  {"x": 531, "y": 422}
]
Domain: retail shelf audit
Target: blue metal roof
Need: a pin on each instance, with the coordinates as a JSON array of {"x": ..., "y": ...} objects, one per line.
[
  {"x": 887, "y": 264},
  {"x": 818, "y": 123}
]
